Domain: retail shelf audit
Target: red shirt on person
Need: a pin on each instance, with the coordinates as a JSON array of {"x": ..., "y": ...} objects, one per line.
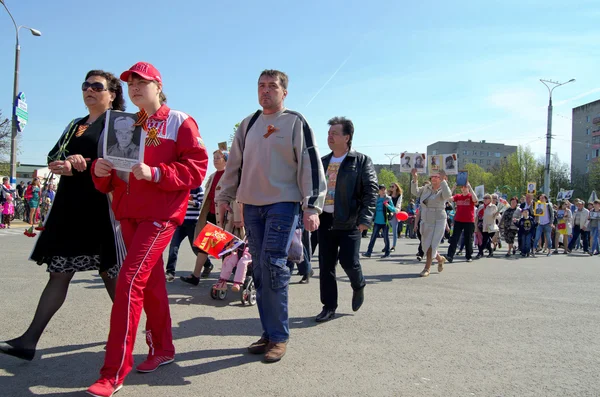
[
  {"x": 465, "y": 208},
  {"x": 213, "y": 189}
]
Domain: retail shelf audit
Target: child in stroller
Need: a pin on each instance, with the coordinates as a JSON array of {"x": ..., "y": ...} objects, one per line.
[{"x": 238, "y": 259}]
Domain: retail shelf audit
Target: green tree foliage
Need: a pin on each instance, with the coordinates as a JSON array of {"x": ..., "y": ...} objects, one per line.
[
  {"x": 386, "y": 177},
  {"x": 478, "y": 176},
  {"x": 5, "y": 135},
  {"x": 593, "y": 182}
]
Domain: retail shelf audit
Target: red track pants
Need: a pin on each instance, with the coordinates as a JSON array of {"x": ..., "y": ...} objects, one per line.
[{"x": 141, "y": 283}]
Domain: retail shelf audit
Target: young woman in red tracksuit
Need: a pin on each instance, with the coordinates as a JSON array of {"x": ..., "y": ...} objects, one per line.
[{"x": 150, "y": 202}]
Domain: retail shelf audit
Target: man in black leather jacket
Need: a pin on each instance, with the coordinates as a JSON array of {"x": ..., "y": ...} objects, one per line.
[{"x": 349, "y": 209}]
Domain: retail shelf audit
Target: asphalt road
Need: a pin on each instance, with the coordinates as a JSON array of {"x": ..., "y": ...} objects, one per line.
[{"x": 493, "y": 327}]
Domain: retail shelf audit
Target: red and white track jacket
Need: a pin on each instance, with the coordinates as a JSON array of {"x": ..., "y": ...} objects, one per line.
[{"x": 178, "y": 164}]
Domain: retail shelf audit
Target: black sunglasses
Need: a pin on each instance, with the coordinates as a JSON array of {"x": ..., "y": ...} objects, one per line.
[{"x": 96, "y": 87}]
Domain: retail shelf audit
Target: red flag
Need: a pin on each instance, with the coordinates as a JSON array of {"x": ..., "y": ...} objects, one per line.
[{"x": 215, "y": 241}]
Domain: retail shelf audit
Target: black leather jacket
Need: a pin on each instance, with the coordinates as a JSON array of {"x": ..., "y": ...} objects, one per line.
[{"x": 356, "y": 191}]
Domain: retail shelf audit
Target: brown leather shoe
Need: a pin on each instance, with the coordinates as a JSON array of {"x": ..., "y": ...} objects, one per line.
[
  {"x": 275, "y": 351},
  {"x": 259, "y": 347}
]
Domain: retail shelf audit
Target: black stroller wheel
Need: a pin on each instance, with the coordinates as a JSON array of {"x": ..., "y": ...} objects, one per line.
[
  {"x": 213, "y": 293},
  {"x": 222, "y": 294},
  {"x": 251, "y": 293}
]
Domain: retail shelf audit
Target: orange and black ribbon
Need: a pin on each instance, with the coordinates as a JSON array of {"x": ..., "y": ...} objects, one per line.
[
  {"x": 81, "y": 129},
  {"x": 152, "y": 137},
  {"x": 270, "y": 129},
  {"x": 142, "y": 120}
]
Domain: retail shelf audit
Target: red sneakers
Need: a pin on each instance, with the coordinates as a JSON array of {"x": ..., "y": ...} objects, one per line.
[
  {"x": 153, "y": 362},
  {"x": 103, "y": 388}
]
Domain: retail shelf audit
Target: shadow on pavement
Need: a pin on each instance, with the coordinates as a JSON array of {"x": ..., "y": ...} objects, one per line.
[
  {"x": 251, "y": 327},
  {"x": 386, "y": 278},
  {"x": 80, "y": 370}
]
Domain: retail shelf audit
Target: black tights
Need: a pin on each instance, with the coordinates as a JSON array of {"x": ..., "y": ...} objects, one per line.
[{"x": 51, "y": 300}]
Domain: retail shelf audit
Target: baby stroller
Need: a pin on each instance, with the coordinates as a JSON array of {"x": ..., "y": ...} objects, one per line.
[
  {"x": 247, "y": 292},
  {"x": 239, "y": 257}
]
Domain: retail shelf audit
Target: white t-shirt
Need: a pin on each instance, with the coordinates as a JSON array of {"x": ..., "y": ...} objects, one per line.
[{"x": 331, "y": 177}]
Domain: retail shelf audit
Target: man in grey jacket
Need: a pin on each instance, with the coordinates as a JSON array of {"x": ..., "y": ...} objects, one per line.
[{"x": 274, "y": 170}]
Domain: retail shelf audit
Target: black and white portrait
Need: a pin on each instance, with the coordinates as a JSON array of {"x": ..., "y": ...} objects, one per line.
[
  {"x": 420, "y": 164},
  {"x": 122, "y": 140},
  {"x": 406, "y": 162},
  {"x": 450, "y": 166}
]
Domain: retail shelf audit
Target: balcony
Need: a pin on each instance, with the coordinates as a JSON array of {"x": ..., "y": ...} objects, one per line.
[
  {"x": 596, "y": 120},
  {"x": 596, "y": 133},
  {"x": 596, "y": 146}
]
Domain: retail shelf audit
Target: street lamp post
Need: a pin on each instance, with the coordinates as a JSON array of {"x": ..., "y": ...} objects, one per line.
[
  {"x": 548, "y": 84},
  {"x": 392, "y": 156},
  {"x": 13, "y": 141}
]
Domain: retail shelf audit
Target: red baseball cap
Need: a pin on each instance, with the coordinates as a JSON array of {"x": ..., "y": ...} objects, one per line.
[{"x": 143, "y": 69}]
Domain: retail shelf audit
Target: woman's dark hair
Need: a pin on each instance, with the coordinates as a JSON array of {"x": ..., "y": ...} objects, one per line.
[
  {"x": 514, "y": 198},
  {"x": 114, "y": 86},
  {"x": 162, "y": 98}
]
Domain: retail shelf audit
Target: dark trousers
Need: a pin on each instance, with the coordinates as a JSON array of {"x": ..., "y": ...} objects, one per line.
[
  {"x": 585, "y": 238},
  {"x": 186, "y": 229},
  {"x": 468, "y": 228},
  {"x": 334, "y": 245},
  {"x": 314, "y": 241},
  {"x": 420, "y": 249},
  {"x": 386, "y": 237},
  {"x": 486, "y": 242},
  {"x": 26, "y": 213}
]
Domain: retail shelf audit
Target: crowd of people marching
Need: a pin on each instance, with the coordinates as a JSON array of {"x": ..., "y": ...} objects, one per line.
[
  {"x": 272, "y": 189},
  {"x": 28, "y": 202},
  {"x": 483, "y": 224}
]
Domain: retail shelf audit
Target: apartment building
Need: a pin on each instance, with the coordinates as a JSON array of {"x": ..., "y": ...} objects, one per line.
[
  {"x": 485, "y": 154},
  {"x": 585, "y": 138}
]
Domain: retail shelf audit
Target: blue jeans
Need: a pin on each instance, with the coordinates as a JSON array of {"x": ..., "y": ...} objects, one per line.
[
  {"x": 269, "y": 229},
  {"x": 595, "y": 239},
  {"x": 525, "y": 243},
  {"x": 395, "y": 223},
  {"x": 386, "y": 238},
  {"x": 547, "y": 230}
]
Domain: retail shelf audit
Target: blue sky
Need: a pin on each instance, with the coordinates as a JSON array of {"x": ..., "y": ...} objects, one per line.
[{"x": 407, "y": 74}]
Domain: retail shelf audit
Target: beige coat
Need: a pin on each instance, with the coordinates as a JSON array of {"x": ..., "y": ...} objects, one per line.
[
  {"x": 489, "y": 218},
  {"x": 432, "y": 213},
  {"x": 231, "y": 218}
]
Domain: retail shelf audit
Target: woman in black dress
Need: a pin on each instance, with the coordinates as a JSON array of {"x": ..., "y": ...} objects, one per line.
[{"x": 77, "y": 201}]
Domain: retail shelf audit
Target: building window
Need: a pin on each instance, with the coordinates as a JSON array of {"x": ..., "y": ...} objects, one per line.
[
  {"x": 597, "y": 152},
  {"x": 489, "y": 154},
  {"x": 587, "y": 131},
  {"x": 587, "y": 157},
  {"x": 587, "y": 169},
  {"x": 434, "y": 152},
  {"x": 587, "y": 118},
  {"x": 489, "y": 162},
  {"x": 587, "y": 145},
  {"x": 465, "y": 152},
  {"x": 497, "y": 154},
  {"x": 481, "y": 161},
  {"x": 474, "y": 161}
]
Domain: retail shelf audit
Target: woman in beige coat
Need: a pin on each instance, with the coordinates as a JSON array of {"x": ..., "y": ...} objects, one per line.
[
  {"x": 433, "y": 215},
  {"x": 486, "y": 215}
]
